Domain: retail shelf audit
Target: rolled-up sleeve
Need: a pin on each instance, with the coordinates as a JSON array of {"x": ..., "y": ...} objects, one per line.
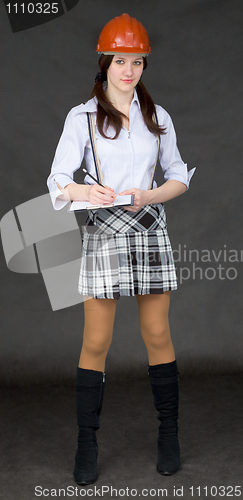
[
  {"x": 68, "y": 157},
  {"x": 170, "y": 159}
]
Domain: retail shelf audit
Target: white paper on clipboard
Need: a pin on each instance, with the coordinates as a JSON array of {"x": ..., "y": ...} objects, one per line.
[{"x": 121, "y": 201}]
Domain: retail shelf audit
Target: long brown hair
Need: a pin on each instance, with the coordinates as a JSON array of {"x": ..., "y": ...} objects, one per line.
[{"x": 114, "y": 117}]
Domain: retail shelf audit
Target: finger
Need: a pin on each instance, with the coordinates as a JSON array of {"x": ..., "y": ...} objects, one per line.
[
  {"x": 110, "y": 196},
  {"x": 102, "y": 193},
  {"x": 107, "y": 187},
  {"x": 128, "y": 191},
  {"x": 101, "y": 189},
  {"x": 106, "y": 199},
  {"x": 110, "y": 192}
]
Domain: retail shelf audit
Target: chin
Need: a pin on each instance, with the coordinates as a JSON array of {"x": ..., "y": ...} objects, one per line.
[{"x": 128, "y": 86}]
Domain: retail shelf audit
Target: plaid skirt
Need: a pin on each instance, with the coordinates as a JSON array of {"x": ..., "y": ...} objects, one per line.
[{"x": 126, "y": 253}]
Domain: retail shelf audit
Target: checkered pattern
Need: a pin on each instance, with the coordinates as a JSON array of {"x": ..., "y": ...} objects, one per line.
[{"x": 126, "y": 253}]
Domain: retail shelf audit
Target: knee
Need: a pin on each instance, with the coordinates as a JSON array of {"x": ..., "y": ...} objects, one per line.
[
  {"x": 157, "y": 337},
  {"x": 97, "y": 344}
]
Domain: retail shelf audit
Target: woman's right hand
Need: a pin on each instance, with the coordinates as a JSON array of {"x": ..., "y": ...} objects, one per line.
[{"x": 99, "y": 195}]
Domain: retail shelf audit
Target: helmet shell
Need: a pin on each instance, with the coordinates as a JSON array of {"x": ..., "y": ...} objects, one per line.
[{"x": 124, "y": 34}]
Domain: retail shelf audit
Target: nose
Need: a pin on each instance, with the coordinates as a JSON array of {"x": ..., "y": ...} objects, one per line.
[{"x": 128, "y": 70}]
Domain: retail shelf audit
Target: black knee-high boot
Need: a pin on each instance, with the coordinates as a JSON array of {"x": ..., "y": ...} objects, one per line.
[
  {"x": 90, "y": 390},
  {"x": 164, "y": 383}
]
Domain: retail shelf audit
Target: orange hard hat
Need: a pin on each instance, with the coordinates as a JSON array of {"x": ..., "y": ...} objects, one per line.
[{"x": 124, "y": 34}]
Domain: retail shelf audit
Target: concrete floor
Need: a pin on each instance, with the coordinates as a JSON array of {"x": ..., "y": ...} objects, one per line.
[{"x": 40, "y": 431}]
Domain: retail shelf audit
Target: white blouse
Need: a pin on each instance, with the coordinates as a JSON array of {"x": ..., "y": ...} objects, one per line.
[{"x": 126, "y": 162}]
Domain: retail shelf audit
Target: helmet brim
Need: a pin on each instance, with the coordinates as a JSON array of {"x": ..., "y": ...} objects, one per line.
[{"x": 143, "y": 54}]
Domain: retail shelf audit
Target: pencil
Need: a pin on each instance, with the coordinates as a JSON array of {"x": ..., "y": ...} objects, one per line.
[{"x": 94, "y": 179}]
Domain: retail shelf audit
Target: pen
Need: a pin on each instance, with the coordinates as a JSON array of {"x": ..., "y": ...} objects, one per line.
[{"x": 96, "y": 180}]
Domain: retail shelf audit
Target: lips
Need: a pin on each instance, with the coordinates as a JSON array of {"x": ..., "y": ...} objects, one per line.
[{"x": 127, "y": 81}]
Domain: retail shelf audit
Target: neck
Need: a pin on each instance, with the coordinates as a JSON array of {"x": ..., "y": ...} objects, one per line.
[{"x": 119, "y": 99}]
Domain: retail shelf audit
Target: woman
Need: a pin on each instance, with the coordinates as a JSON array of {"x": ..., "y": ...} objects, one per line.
[{"x": 130, "y": 132}]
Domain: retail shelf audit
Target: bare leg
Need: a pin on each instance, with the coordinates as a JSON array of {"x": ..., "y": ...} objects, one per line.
[
  {"x": 155, "y": 329},
  {"x": 154, "y": 310},
  {"x": 98, "y": 330}
]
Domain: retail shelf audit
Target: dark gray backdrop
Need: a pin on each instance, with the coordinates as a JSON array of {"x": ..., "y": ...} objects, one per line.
[{"x": 195, "y": 73}]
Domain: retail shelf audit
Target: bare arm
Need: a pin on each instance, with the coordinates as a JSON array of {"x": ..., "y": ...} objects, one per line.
[
  {"x": 94, "y": 193},
  {"x": 169, "y": 190}
]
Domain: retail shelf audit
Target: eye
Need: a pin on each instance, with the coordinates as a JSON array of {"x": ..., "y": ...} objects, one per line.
[
  {"x": 137, "y": 63},
  {"x": 119, "y": 61}
]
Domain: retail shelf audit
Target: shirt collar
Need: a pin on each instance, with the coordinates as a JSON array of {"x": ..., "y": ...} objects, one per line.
[
  {"x": 135, "y": 98},
  {"x": 91, "y": 105}
]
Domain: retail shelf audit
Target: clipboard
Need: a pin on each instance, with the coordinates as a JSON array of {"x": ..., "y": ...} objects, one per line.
[{"x": 121, "y": 201}]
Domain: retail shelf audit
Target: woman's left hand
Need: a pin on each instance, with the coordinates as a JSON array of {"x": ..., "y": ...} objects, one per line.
[{"x": 140, "y": 198}]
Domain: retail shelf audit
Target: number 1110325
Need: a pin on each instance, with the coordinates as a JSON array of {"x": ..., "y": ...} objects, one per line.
[
  {"x": 31, "y": 8},
  {"x": 215, "y": 491}
]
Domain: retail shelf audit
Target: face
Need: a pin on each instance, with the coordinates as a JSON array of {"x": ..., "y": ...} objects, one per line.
[{"x": 125, "y": 72}]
